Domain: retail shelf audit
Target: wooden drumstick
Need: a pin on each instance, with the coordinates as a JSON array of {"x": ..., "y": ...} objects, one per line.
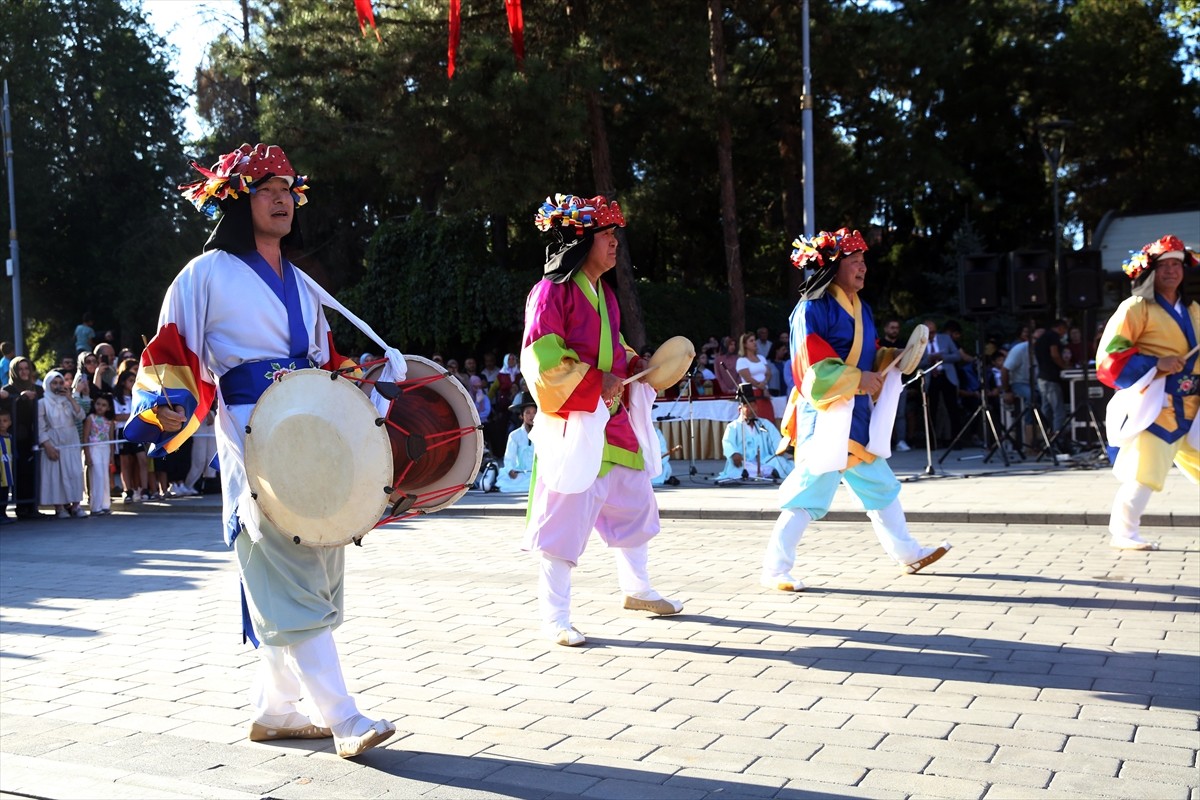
[
  {"x": 633, "y": 378},
  {"x": 162, "y": 388}
]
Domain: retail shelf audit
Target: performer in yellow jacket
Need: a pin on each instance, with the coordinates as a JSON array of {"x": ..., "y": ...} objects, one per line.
[{"x": 1148, "y": 354}]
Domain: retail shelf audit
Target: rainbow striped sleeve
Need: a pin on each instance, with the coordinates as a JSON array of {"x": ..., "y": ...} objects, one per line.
[
  {"x": 1119, "y": 362},
  {"x": 558, "y": 378},
  {"x": 171, "y": 368},
  {"x": 822, "y": 375}
]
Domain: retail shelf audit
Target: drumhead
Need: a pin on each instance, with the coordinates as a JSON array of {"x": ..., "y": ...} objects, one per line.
[
  {"x": 671, "y": 362},
  {"x": 315, "y": 459},
  {"x": 430, "y": 405}
]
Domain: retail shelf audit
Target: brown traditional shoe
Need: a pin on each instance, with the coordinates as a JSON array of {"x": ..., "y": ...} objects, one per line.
[
  {"x": 660, "y": 606},
  {"x": 266, "y": 733},
  {"x": 925, "y": 561}
]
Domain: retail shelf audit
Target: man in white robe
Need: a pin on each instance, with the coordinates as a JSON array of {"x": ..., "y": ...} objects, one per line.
[
  {"x": 234, "y": 319},
  {"x": 518, "y": 454},
  {"x": 749, "y": 445}
]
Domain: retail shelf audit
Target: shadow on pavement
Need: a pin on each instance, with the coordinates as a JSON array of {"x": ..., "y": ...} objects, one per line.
[{"x": 1171, "y": 679}]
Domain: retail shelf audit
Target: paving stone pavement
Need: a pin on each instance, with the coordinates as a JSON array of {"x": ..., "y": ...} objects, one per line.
[{"x": 1032, "y": 661}]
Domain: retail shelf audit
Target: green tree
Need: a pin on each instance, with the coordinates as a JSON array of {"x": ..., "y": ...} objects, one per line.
[{"x": 96, "y": 140}]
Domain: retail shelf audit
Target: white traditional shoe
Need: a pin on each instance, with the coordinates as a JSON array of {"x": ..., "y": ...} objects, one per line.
[
  {"x": 784, "y": 583},
  {"x": 570, "y": 637},
  {"x": 291, "y": 726},
  {"x": 1135, "y": 542},
  {"x": 931, "y": 554},
  {"x": 653, "y": 602},
  {"x": 364, "y": 734}
]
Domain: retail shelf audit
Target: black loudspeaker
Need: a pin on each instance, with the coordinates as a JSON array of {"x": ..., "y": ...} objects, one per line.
[
  {"x": 979, "y": 283},
  {"x": 1029, "y": 280},
  {"x": 1083, "y": 280}
]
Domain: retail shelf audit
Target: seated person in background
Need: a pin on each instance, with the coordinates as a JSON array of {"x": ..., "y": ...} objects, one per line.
[
  {"x": 483, "y": 403},
  {"x": 664, "y": 453},
  {"x": 749, "y": 446},
  {"x": 703, "y": 379},
  {"x": 725, "y": 368},
  {"x": 518, "y": 454}
]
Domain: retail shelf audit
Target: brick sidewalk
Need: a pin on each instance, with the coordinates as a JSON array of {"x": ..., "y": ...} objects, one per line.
[{"x": 1033, "y": 661}]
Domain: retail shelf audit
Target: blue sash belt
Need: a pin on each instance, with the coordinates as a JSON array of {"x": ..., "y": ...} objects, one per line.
[{"x": 246, "y": 382}]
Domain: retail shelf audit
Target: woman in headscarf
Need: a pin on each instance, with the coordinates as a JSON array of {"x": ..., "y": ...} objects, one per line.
[
  {"x": 62, "y": 459},
  {"x": 24, "y": 392}
]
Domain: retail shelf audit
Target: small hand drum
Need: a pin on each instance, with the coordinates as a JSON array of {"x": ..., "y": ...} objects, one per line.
[
  {"x": 671, "y": 362},
  {"x": 318, "y": 464},
  {"x": 435, "y": 437}
]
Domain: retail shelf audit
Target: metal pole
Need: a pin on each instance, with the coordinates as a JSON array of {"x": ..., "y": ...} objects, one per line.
[
  {"x": 14, "y": 249},
  {"x": 1053, "y": 138},
  {"x": 806, "y": 115},
  {"x": 1058, "y": 287}
]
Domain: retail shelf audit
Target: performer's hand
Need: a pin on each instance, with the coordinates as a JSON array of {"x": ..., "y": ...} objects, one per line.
[
  {"x": 870, "y": 383},
  {"x": 736, "y": 458},
  {"x": 610, "y": 388},
  {"x": 1169, "y": 365},
  {"x": 170, "y": 419}
]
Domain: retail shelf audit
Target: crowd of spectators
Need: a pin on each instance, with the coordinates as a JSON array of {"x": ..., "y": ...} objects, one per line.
[{"x": 60, "y": 433}]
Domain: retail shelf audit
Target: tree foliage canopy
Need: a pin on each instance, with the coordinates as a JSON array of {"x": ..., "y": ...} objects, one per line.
[
  {"x": 97, "y": 154},
  {"x": 926, "y": 120}
]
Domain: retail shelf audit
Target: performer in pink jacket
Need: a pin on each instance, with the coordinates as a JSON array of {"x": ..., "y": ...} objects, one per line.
[{"x": 590, "y": 467}]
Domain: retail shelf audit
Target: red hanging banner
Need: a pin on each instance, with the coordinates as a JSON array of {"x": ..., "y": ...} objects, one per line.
[
  {"x": 366, "y": 16},
  {"x": 516, "y": 27},
  {"x": 455, "y": 32}
]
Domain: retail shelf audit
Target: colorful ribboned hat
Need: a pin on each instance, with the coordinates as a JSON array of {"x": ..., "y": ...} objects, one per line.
[
  {"x": 1141, "y": 263},
  {"x": 237, "y": 173},
  {"x": 822, "y": 253},
  {"x": 573, "y": 221}
]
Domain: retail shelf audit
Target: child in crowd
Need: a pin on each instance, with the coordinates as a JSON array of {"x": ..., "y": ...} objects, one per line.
[{"x": 99, "y": 431}]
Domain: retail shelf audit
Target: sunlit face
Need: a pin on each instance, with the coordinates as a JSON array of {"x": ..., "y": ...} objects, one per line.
[
  {"x": 56, "y": 385},
  {"x": 1168, "y": 275},
  {"x": 100, "y": 406},
  {"x": 851, "y": 273},
  {"x": 603, "y": 255},
  {"x": 24, "y": 371},
  {"x": 271, "y": 208},
  {"x": 527, "y": 415},
  {"x": 750, "y": 345}
]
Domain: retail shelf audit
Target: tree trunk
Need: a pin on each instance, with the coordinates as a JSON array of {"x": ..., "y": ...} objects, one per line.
[
  {"x": 631, "y": 306},
  {"x": 733, "y": 254}
]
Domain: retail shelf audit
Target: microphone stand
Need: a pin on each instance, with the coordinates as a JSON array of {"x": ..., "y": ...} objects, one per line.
[{"x": 929, "y": 472}]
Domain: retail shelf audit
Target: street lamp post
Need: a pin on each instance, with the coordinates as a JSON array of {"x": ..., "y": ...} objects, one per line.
[
  {"x": 1053, "y": 138},
  {"x": 18, "y": 322}
]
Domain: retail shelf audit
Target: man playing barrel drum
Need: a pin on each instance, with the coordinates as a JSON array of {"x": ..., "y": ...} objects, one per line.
[
  {"x": 236, "y": 318},
  {"x": 574, "y": 359}
]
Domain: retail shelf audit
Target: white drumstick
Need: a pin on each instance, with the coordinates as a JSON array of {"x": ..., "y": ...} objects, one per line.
[{"x": 633, "y": 378}]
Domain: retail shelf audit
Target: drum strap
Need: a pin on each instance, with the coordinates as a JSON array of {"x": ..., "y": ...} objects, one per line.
[
  {"x": 246, "y": 382},
  {"x": 286, "y": 290}
]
